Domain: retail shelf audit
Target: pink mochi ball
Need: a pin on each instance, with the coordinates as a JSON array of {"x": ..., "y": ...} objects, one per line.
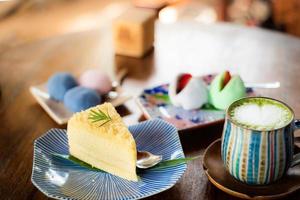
[{"x": 97, "y": 80}]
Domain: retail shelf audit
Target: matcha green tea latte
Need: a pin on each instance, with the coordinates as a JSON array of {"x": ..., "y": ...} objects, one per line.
[{"x": 257, "y": 142}]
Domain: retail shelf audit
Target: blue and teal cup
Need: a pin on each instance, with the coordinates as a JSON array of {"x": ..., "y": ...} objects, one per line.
[{"x": 258, "y": 155}]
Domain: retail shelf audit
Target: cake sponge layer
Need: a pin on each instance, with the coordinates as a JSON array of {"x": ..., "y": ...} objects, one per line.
[{"x": 107, "y": 146}]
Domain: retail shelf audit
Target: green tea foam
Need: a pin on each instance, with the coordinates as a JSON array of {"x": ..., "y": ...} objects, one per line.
[{"x": 260, "y": 114}]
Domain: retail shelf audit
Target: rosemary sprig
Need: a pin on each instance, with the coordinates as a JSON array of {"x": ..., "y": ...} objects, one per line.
[
  {"x": 173, "y": 162},
  {"x": 99, "y": 115}
]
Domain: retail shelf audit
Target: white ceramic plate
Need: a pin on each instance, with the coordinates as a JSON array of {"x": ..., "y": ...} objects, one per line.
[{"x": 57, "y": 111}]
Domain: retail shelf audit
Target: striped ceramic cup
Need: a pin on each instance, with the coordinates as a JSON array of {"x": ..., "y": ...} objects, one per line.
[{"x": 254, "y": 150}]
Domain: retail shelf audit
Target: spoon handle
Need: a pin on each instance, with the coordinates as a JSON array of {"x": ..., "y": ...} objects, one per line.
[
  {"x": 120, "y": 76},
  {"x": 271, "y": 85}
]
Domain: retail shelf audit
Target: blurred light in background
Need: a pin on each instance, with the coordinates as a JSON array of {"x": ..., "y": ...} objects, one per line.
[
  {"x": 196, "y": 11},
  {"x": 94, "y": 19},
  {"x": 168, "y": 15},
  {"x": 207, "y": 16}
]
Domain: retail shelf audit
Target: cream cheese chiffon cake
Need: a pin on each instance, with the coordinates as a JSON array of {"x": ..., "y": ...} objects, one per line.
[{"x": 105, "y": 144}]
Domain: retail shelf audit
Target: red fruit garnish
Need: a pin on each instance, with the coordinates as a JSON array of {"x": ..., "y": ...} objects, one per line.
[
  {"x": 183, "y": 81},
  {"x": 227, "y": 78}
]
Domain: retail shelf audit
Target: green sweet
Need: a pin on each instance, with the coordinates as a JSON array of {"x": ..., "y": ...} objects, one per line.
[{"x": 233, "y": 90}]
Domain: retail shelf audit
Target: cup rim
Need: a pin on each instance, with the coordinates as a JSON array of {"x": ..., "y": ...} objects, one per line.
[{"x": 262, "y": 97}]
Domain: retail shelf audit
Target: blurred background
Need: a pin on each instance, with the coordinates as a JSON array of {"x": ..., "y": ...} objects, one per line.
[{"x": 27, "y": 20}]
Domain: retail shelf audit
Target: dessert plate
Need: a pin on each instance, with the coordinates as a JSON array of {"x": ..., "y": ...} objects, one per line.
[
  {"x": 61, "y": 179},
  {"x": 217, "y": 175},
  {"x": 57, "y": 111},
  {"x": 155, "y": 103}
]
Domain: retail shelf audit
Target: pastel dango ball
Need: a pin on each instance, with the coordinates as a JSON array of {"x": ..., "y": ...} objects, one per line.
[
  {"x": 188, "y": 92},
  {"x": 97, "y": 80},
  {"x": 80, "y": 98},
  {"x": 59, "y": 83},
  {"x": 224, "y": 91}
]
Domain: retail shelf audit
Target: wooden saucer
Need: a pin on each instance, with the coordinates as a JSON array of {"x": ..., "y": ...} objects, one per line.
[{"x": 217, "y": 175}]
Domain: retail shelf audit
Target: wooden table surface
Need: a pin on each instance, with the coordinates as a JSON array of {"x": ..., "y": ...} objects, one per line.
[{"x": 257, "y": 55}]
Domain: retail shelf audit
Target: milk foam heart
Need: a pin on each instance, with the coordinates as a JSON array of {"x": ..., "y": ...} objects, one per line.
[
  {"x": 268, "y": 115},
  {"x": 260, "y": 115}
]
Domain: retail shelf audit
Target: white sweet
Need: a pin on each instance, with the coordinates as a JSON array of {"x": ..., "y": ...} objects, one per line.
[
  {"x": 265, "y": 116},
  {"x": 194, "y": 95}
]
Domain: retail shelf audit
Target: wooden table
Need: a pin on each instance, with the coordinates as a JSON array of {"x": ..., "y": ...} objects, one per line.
[{"x": 257, "y": 55}]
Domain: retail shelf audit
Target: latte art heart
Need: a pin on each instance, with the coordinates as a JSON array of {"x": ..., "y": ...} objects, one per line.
[{"x": 261, "y": 115}]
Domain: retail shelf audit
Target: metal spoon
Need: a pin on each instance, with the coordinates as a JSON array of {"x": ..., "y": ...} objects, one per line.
[
  {"x": 146, "y": 159},
  {"x": 114, "y": 93},
  {"x": 271, "y": 85}
]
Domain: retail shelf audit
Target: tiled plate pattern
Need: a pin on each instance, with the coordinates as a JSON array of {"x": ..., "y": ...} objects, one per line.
[{"x": 61, "y": 179}]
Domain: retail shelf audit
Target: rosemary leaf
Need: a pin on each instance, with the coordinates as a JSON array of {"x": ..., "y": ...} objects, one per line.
[
  {"x": 99, "y": 115},
  {"x": 174, "y": 162}
]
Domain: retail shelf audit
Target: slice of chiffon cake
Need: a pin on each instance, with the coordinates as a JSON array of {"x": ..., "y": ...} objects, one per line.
[{"x": 105, "y": 144}]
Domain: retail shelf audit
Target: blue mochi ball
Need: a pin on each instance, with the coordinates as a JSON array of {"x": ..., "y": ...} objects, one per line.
[
  {"x": 59, "y": 83},
  {"x": 80, "y": 98}
]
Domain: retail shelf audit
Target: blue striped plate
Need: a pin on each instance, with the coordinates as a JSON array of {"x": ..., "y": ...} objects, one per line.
[{"x": 61, "y": 179}]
